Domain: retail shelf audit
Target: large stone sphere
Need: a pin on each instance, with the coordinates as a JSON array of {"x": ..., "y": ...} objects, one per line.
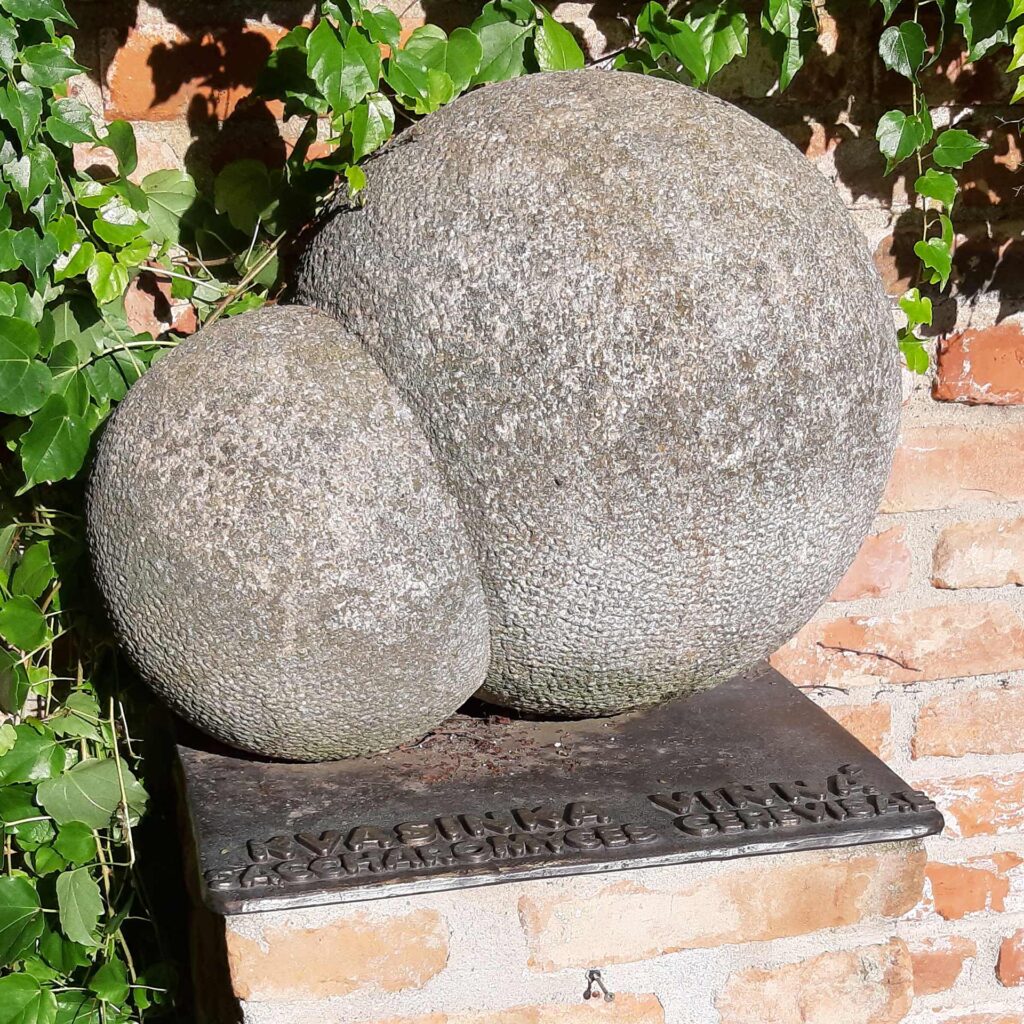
[
  {"x": 277, "y": 551},
  {"x": 653, "y": 359}
]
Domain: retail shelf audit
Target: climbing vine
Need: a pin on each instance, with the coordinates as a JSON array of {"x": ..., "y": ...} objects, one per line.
[{"x": 75, "y": 944}]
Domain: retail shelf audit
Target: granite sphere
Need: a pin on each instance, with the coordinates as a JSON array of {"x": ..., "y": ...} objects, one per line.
[
  {"x": 276, "y": 548},
  {"x": 653, "y": 359}
]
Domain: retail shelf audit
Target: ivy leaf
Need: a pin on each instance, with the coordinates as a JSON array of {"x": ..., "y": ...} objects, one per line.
[
  {"x": 440, "y": 90},
  {"x": 428, "y": 44},
  {"x": 373, "y": 121},
  {"x": 34, "y": 572},
  {"x": 21, "y": 920},
  {"x": 25, "y": 382},
  {"x": 31, "y": 175},
  {"x": 902, "y": 48},
  {"x": 24, "y": 1001},
  {"x": 937, "y": 185},
  {"x": 462, "y": 58},
  {"x": 36, "y": 756},
  {"x": 21, "y": 105},
  {"x": 917, "y": 307},
  {"x": 677, "y": 38},
  {"x": 35, "y": 252},
  {"x": 8, "y": 737},
  {"x": 22, "y": 624},
  {"x": 107, "y": 278},
  {"x": 90, "y": 793},
  {"x": 47, "y": 860},
  {"x": 76, "y": 261},
  {"x": 117, "y": 223},
  {"x": 37, "y": 10},
  {"x": 790, "y": 25},
  {"x": 78, "y": 1008},
  {"x": 77, "y": 717},
  {"x": 120, "y": 138},
  {"x": 935, "y": 254},
  {"x": 955, "y": 147},
  {"x": 76, "y": 843},
  {"x": 722, "y": 30},
  {"x": 169, "y": 196},
  {"x": 54, "y": 447},
  {"x": 899, "y": 135},
  {"x": 914, "y": 353},
  {"x": 48, "y": 65},
  {"x": 63, "y": 956},
  {"x": 110, "y": 982},
  {"x": 243, "y": 191},
  {"x": 382, "y": 26},
  {"x": 555, "y": 47},
  {"x": 502, "y": 44},
  {"x": 8, "y": 44},
  {"x": 70, "y": 122},
  {"x": 984, "y": 24},
  {"x": 79, "y": 905},
  {"x": 407, "y": 76},
  {"x": 344, "y": 72}
]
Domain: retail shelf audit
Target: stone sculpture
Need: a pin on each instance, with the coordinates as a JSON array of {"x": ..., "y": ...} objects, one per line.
[
  {"x": 651, "y": 362},
  {"x": 277, "y": 550}
]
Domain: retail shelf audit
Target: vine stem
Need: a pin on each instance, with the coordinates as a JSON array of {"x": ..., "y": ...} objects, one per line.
[{"x": 247, "y": 280}]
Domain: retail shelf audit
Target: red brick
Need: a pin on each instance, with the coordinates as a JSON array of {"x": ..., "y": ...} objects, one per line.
[
  {"x": 355, "y": 953},
  {"x": 980, "y": 805},
  {"x": 149, "y": 308},
  {"x": 1010, "y": 966},
  {"x": 870, "y": 723},
  {"x": 989, "y": 721},
  {"x": 894, "y": 260},
  {"x": 882, "y": 566},
  {"x": 972, "y": 886},
  {"x": 943, "y": 467},
  {"x": 983, "y": 367},
  {"x": 730, "y": 903},
  {"x": 867, "y": 985},
  {"x": 939, "y": 962},
  {"x": 983, "y": 1018},
  {"x": 625, "y": 1008},
  {"x": 162, "y": 75},
  {"x": 941, "y": 642},
  {"x": 985, "y": 553}
]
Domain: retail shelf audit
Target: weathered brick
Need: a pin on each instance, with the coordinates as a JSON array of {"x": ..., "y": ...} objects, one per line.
[
  {"x": 626, "y": 1008},
  {"x": 163, "y": 75},
  {"x": 985, "y": 553},
  {"x": 882, "y": 566},
  {"x": 981, "y": 367},
  {"x": 980, "y": 805},
  {"x": 357, "y": 952},
  {"x": 894, "y": 260},
  {"x": 150, "y": 309},
  {"x": 944, "y": 467},
  {"x": 939, "y": 962},
  {"x": 939, "y": 642},
  {"x": 989, "y": 721},
  {"x": 100, "y": 163},
  {"x": 867, "y": 985},
  {"x": 750, "y": 903},
  {"x": 1010, "y": 965},
  {"x": 870, "y": 723},
  {"x": 982, "y": 1018}
]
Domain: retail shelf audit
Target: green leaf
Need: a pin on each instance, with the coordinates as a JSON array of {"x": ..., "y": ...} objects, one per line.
[
  {"x": 79, "y": 905},
  {"x": 790, "y": 25},
  {"x": 35, "y": 253},
  {"x": 21, "y": 920},
  {"x": 440, "y": 90},
  {"x": 31, "y": 175},
  {"x": 462, "y": 58},
  {"x": 555, "y": 47},
  {"x": 47, "y": 860},
  {"x": 90, "y": 793},
  {"x": 8, "y": 737},
  {"x": 8, "y": 44},
  {"x": 937, "y": 185},
  {"x": 76, "y": 843},
  {"x": 676, "y": 38},
  {"x": 14, "y": 685},
  {"x": 77, "y": 717},
  {"x": 984, "y": 24},
  {"x": 63, "y": 956},
  {"x": 344, "y": 72},
  {"x": 110, "y": 983},
  {"x": 407, "y": 76},
  {"x": 899, "y": 135},
  {"x": 169, "y": 196},
  {"x": 37, "y": 10},
  {"x": 24, "y": 1001},
  {"x": 25, "y": 383},
  {"x": 117, "y": 223},
  {"x": 21, "y": 105},
  {"x": 429, "y": 45},
  {"x": 107, "y": 278},
  {"x": 76, "y": 261},
  {"x": 382, "y": 26},
  {"x": 243, "y": 191},
  {"x": 373, "y": 121},
  {"x": 48, "y": 65},
  {"x": 914, "y": 353},
  {"x": 34, "y": 572},
  {"x": 54, "y": 447},
  {"x": 955, "y": 147},
  {"x": 722, "y": 30},
  {"x": 120, "y": 138},
  {"x": 16, "y": 805},
  {"x": 22, "y": 624},
  {"x": 79, "y": 1008},
  {"x": 502, "y": 51},
  {"x": 935, "y": 254},
  {"x": 70, "y": 122},
  {"x": 36, "y": 756},
  {"x": 902, "y": 48}
]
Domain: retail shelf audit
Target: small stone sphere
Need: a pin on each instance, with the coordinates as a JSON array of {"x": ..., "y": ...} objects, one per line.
[
  {"x": 653, "y": 359},
  {"x": 277, "y": 551}
]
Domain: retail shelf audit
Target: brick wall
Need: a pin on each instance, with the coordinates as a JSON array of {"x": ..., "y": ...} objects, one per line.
[{"x": 920, "y": 653}]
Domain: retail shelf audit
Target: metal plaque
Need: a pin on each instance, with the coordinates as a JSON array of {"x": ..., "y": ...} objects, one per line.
[{"x": 752, "y": 766}]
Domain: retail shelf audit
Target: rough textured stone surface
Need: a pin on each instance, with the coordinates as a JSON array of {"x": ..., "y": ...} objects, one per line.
[
  {"x": 623, "y": 311},
  {"x": 277, "y": 551}
]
